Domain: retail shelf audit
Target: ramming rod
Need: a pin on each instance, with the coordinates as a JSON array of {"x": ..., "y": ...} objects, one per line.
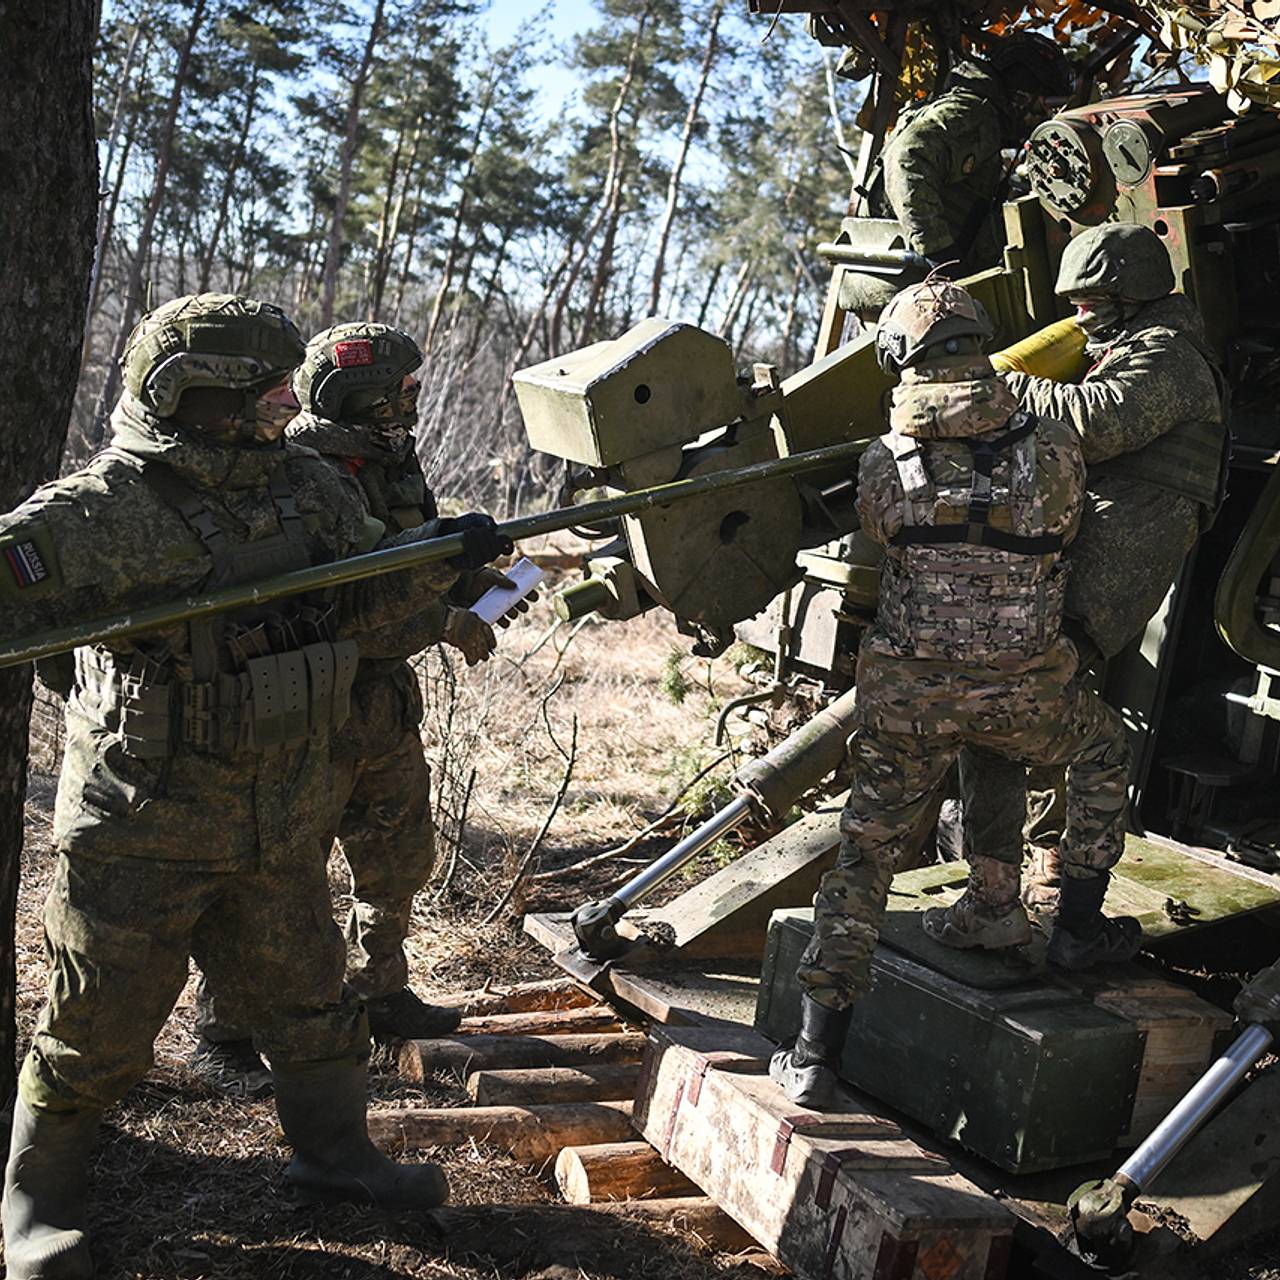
[{"x": 389, "y": 559}]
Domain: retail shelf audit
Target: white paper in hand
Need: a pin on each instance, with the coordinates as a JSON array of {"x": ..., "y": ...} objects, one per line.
[{"x": 499, "y": 600}]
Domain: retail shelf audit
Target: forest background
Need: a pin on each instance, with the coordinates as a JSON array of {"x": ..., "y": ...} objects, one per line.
[{"x": 503, "y": 192}]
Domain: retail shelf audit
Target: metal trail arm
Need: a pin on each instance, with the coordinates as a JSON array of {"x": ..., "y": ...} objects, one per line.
[{"x": 391, "y": 559}]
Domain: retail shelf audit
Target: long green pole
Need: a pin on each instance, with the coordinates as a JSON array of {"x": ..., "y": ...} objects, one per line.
[{"x": 390, "y": 559}]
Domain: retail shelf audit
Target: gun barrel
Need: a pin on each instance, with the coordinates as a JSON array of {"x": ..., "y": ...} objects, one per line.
[
  {"x": 849, "y": 255},
  {"x": 391, "y": 559}
]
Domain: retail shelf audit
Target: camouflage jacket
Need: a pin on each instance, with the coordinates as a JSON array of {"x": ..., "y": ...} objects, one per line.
[
  {"x": 102, "y": 541},
  {"x": 941, "y": 169},
  {"x": 396, "y": 493},
  {"x": 966, "y": 634},
  {"x": 1149, "y": 409}
]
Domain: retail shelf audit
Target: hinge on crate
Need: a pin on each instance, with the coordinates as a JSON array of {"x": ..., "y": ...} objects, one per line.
[
  {"x": 833, "y": 1244},
  {"x": 671, "y": 1121},
  {"x": 895, "y": 1259},
  {"x": 843, "y": 1124}
]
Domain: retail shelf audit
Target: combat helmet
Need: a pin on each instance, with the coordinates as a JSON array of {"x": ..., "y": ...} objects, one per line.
[
  {"x": 1117, "y": 260},
  {"x": 356, "y": 371},
  {"x": 924, "y": 315},
  {"x": 209, "y": 340},
  {"x": 1033, "y": 64}
]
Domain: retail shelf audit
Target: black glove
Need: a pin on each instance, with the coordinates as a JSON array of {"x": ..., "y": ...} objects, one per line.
[{"x": 481, "y": 540}]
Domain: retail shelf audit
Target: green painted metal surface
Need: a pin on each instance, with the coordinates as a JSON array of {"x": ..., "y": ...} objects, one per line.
[{"x": 1029, "y": 1076}]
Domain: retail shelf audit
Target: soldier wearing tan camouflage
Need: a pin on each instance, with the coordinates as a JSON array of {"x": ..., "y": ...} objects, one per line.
[{"x": 974, "y": 502}]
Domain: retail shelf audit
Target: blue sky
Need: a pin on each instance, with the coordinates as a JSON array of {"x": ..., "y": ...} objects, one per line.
[{"x": 568, "y": 16}]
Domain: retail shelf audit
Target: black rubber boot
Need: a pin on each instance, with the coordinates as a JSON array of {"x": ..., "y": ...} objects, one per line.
[
  {"x": 406, "y": 1016},
  {"x": 806, "y": 1071},
  {"x": 322, "y": 1112},
  {"x": 1082, "y": 936},
  {"x": 45, "y": 1188},
  {"x": 231, "y": 1068}
]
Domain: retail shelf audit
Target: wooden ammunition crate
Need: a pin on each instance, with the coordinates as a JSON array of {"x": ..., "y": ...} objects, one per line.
[{"x": 835, "y": 1196}]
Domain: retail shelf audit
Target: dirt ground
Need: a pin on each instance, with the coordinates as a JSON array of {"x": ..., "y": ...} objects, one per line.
[
  {"x": 567, "y": 745},
  {"x": 187, "y": 1185}
]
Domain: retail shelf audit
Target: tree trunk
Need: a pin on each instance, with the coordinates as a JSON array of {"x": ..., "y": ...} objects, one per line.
[
  {"x": 389, "y": 227},
  {"x": 229, "y": 182},
  {"x": 46, "y": 64},
  {"x": 142, "y": 251},
  {"x": 682, "y": 154},
  {"x": 346, "y": 163}
]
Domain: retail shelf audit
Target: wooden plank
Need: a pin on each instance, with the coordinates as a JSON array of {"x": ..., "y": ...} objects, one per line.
[
  {"x": 548, "y": 993},
  {"x": 542, "y": 1022},
  {"x": 464, "y": 1054},
  {"x": 532, "y": 1135},
  {"x": 727, "y": 914},
  {"x": 593, "y": 1082},
  {"x": 843, "y": 1195},
  {"x": 617, "y": 1171}
]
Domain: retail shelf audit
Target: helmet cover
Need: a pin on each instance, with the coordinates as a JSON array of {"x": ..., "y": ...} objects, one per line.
[
  {"x": 923, "y": 315},
  {"x": 353, "y": 367},
  {"x": 1119, "y": 260}
]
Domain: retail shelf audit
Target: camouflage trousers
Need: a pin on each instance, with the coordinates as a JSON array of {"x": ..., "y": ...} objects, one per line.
[
  {"x": 118, "y": 936},
  {"x": 387, "y": 836},
  {"x": 896, "y": 778}
]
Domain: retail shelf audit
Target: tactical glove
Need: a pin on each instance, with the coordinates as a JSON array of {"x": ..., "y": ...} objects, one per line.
[
  {"x": 1259, "y": 1000},
  {"x": 481, "y": 541},
  {"x": 470, "y": 588},
  {"x": 471, "y": 636}
]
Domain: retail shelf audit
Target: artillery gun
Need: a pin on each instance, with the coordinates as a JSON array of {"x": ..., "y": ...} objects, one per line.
[{"x": 1196, "y": 690}]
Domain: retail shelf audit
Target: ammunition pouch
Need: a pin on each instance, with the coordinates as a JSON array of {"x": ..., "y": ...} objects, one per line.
[{"x": 277, "y": 700}]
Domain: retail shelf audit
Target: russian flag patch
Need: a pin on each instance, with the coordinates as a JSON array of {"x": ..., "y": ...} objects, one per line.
[{"x": 26, "y": 563}]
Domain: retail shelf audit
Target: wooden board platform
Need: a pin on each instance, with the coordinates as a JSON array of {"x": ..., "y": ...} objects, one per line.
[{"x": 845, "y": 1196}]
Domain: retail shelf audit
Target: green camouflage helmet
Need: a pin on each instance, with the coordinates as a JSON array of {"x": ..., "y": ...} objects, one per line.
[
  {"x": 1118, "y": 260},
  {"x": 352, "y": 367},
  {"x": 207, "y": 340},
  {"x": 1031, "y": 63},
  {"x": 924, "y": 315}
]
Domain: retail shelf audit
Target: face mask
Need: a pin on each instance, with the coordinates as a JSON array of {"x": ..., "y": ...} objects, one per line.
[
  {"x": 1099, "y": 317},
  {"x": 273, "y": 412},
  {"x": 391, "y": 421}
]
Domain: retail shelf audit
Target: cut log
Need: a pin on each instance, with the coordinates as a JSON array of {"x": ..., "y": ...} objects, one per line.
[
  {"x": 463, "y": 1054},
  {"x": 543, "y": 1022},
  {"x": 618, "y": 1171},
  {"x": 532, "y": 1135},
  {"x": 695, "y": 1216},
  {"x": 552, "y": 993},
  {"x": 593, "y": 1082},
  {"x": 845, "y": 1195}
]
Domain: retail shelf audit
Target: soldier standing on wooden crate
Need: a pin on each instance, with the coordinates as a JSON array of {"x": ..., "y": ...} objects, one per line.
[
  {"x": 194, "y": 796},
  {"x": 942, "y": 174},
  {"x": 1149, "y": 414},
  {"x": 974, "y": 501},
  {"x": 359, "y": 399}
]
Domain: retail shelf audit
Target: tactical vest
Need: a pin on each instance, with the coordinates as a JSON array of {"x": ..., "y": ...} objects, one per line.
[
  {"x": 972, "y": 575},
  {"x": 260, "y": 679}
]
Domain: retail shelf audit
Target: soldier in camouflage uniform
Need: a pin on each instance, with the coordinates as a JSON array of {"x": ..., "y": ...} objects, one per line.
[
  {"x": 194, "y": 796},
  {"x": 973, "y": 501},
  {"x": 942, "y": 175},
  {"x": 1149, "y": 414},
  {"x": 359, "y": 411}
]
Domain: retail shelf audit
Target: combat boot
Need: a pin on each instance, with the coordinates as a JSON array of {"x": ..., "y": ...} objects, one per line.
[
  {"x": 1083, "y": 937},
  {"x": 1042, "y": 885},
  {"x": 45, "y": 1188},
  {"x": 806, "y": 1072},
  {"x": 404, "y": 1015},
  {"x": 231, "y": 1068},
  {"x": 322, "y": 1109},
  {"x": 988, "y": 915}
]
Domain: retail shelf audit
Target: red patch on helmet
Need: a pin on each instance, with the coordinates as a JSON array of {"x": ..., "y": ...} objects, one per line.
[{"x": 350, "y": 355}]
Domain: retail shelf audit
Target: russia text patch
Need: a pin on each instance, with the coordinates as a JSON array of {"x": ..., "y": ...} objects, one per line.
[
  {"x": 26, "y": 563},
  {"x": 353, "y": 353}
]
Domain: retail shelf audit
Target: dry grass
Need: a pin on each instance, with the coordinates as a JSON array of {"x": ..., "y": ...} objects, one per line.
[{"x": 189, "y": 1186}]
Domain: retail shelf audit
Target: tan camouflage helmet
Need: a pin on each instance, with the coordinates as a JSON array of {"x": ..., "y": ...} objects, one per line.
[
  {"x": 208, "y": 340},
  {"x": 1118, "y": 260},
  {"x": 924, "y": 315},
  {"x": 352, "y": 367}
]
